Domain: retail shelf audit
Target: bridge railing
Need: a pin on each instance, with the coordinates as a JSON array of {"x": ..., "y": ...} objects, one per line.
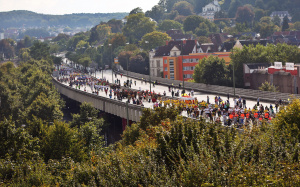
[
  {"x": 105, "y": 104},
  {"x": 218, "y": 90}
]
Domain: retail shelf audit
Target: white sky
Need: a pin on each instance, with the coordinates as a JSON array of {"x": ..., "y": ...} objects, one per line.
[{"x": 76, "y": 6}]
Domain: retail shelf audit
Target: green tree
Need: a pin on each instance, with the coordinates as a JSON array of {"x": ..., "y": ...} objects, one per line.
[
  {"x": 85, "y": 61},
  {"x": 211, "y": 70},
  {"x": 244, "y": 15},
  {"x": 99, "y": 33},
  {"x": 258, "y": 13},
  {"x": 137, "y": 26},
  {"x": 192, "y": 22},
  {"x": 234, "y": 5},
  {"x": 277, "y": 21},
  {"x": 155, "y": 13},
  {"x": 285, "y": 24},
  {"x": 183, "y": 8},
  {"x": 40, "y": 51},
  {"x": 154, "y": 39},
  {"x": 202, "y": 30},
  {"x": 297, "y": 25},
  {"x": 166, "y": 25},
  {"x": 115, "y": 25},
  {"x": 61, "y": 141},
  {"x": 266, "y": 86}
]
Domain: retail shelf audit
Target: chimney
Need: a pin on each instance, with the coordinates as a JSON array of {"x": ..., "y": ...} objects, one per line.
[
  {"x": 184, "y": 41},
  {"x": 167, "y": 42}
]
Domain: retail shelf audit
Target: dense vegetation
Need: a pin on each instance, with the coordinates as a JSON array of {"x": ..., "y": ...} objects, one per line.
[
  {"x": 164, "y": 149},
  {"x": 21, "y": 18}
]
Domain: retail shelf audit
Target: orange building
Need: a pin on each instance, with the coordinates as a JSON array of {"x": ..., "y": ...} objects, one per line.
[{"x": 175, "y": 66}]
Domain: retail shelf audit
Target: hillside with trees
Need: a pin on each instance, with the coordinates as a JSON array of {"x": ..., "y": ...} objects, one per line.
[{"x": 22, "y": 18}]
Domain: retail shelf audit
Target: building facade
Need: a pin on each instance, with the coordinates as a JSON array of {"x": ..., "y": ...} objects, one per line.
[
  {"x": 182, "y": 67},
  {"x": 209, "y": 10}
]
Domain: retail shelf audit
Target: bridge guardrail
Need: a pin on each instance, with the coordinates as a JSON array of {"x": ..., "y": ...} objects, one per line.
[
  {"x": 135, "y": 109},
  {"x": 218, "y": 90}
]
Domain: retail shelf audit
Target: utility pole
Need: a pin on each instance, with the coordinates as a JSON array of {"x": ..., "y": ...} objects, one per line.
[
  {"x": 112, "y": 73},
  {"x": 149, "y": 69}
]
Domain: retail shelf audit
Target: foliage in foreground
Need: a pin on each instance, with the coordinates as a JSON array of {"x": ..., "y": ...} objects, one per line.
[{"x": 179, "y": 152}]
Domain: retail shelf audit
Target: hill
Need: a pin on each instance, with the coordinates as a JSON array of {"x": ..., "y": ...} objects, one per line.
[{"x": 20, "y": 18}]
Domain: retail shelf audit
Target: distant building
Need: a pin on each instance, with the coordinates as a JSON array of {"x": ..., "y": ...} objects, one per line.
[
  {"x": 1, "y": 36},
  {"x": 209, "y": 10},
  {"x": 281, "y": 15},
  {"x": 172, "y": 48},
  {"x": 286, "y": 78},
  {"x": 183, "y": 66},
  {"x": 288, "y": 37}
]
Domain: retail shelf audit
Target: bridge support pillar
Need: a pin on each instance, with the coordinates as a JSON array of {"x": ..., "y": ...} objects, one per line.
[{"x": 124, "y": 123}]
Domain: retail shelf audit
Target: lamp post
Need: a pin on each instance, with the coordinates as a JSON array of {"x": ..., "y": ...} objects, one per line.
[
  {"x": 127, "y": 63},
  {"x": 112, "y": 73},
  {"x": 182, "y": 64},
  {"x": 102, "y": 60},
  {"x": 231, "y": 39},
  {"x": 146, "y": 42}
]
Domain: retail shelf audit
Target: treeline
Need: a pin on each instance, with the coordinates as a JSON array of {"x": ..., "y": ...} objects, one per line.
[{"x": 22, "y": 18}]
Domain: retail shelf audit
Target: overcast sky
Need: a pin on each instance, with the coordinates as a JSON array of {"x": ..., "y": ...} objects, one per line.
[{"x": 76, "y": 6}]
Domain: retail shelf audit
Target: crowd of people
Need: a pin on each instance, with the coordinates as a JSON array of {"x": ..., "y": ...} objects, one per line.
[{"x": 218, "y": 110}]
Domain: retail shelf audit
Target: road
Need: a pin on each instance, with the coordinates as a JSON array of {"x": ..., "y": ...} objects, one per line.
[{"x": 160, "y": 89}]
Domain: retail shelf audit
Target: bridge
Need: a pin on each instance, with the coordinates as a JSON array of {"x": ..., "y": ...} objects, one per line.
[
  {"x": 102, "y": 103},
  {"x": 134, "y": 112}
]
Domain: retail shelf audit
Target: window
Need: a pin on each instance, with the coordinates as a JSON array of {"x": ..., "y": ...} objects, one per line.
[
  {"x": 166, "y": 76},
  {"x": 188, "y": 76},
  {"x": 188, "y": 68},
  {"x": 166, "y": 69},
  {"x": 166, "y": 61},
  {"x": 175, "y": 54},
  {"x": 157, "y": 63}
]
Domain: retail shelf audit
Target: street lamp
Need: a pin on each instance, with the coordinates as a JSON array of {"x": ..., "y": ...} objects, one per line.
[
  {"x": 146, "y": 42},
  {"x": 102, "y": 60},
  {"x": 182, "y": 64},
  {"x": 112, "y": 75},
  {"x": 127, "y": 63},
  {"x": 231, "y": 39}
]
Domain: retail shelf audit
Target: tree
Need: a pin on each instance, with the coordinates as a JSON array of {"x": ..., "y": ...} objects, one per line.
[
  {"x": 297, "y": 25},
  {"x": 154, "y": 39},
  {"x": 258, "y": 13},
  {"x": 136, "y": 11},
  {"x": 203, "y": 39},
  {"x": 202, "y": 30},
  {"x": 124, "y": 58},
  {"x": 285, "y": 24},
  {"x": 61, "y": 141},
  {"x": 166, "y": 25},
  {"x": 40, "y": 51},
  {"x": 266, "y": 86},
  {"x": 234, "y": 5},
  {"x": 137, "y": 26},
  {"x": 244, "y": 15},
  {"x": 183, "y": 8},
  {"x": 115, "y": 25},
  {"x": 277, "y": 21},
  {"x": 85, "y": 61},
  {"x": 99, "y": 33},
  {"x": 156, "y": 13},
  {"x": 7, "y": 48},
  {"x": 117, "y": 40},
  {"x": 192, "y": 22},
  {"x": 211, "y": 70}
]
